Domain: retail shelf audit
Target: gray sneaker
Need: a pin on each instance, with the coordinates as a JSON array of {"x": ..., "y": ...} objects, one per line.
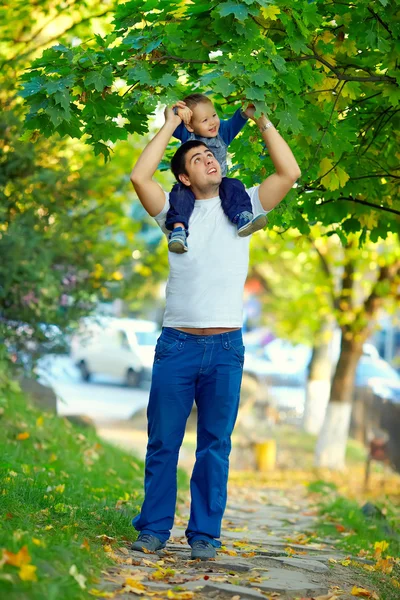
[
  {"x": 177, "y": 241},
  {"x": 246, "y": 224},
  {"x": 151, "y": 543},
  {"x": 203, "y": 550}
]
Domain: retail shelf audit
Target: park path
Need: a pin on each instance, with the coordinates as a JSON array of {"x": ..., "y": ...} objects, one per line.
[{"x": 267, "y": 552}]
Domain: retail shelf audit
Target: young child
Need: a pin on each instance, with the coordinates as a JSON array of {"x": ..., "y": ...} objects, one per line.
[{"x": 201, "y": 122}]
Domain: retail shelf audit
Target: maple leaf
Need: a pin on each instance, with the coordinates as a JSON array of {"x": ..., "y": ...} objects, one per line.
[
  {"x": 22, "y": 557},
  {"x": 28, "y": 573},
  {"x": 271, "y": 12},
  {"x": 364, "y": 593}
]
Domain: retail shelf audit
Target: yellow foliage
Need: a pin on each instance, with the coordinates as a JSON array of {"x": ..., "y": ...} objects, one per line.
[
  {"x": 327, "y": 37},
  {"x": 369, "y": 221},
  {"x": 358, "y": 591},
  {"x": 270, "y": 12},
  {"x": 379, "y": 548},
  {"x": 28, "y": 573},
  {"x": 18, "y": 559},
  {"x": 334, "y": 178}
]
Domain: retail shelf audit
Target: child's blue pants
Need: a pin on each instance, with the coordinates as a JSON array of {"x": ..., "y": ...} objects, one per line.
[{"x": 234, "y": 200}]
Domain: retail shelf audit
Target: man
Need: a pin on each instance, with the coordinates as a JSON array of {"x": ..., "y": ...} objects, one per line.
[{"x": 200, "y": 353}]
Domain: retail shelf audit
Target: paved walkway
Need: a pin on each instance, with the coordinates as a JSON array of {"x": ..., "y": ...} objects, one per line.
[{"x": 267, "y": 552}]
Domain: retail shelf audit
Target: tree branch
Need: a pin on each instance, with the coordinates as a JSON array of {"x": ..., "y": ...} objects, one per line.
[
  {"x": 184, "y": 60},
  {"x": 326, "y": 270},
  {"x": 374, "y": 301},
  {"x": 377, "y": 17},
  {"x": 364, "y": 202}
]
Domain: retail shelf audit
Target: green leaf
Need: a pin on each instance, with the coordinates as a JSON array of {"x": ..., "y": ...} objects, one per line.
[
  {"x": 289, "y": 120},
  {"x": 56, "y": 114},
  {"x": 100, "y": 79},
  {"x": 254, "y": 93},
  {"x": 57, "y": 85},
  {"x": 223, "y": 86},
  {"x": 168, "y": 80},
  {"x": 279, "y": 63},
  {"x": 62, "y": 98},
  {"x": 239, "y": 11},
  {"x": 263, "y": 75},
  {"x": 32, "y": 87}
]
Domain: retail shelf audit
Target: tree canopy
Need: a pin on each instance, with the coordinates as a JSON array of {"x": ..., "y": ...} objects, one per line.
[{"x": 324, "y": 71}]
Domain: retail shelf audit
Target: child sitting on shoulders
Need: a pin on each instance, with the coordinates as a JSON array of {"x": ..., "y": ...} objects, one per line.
[{"x": 201, "y": 122}]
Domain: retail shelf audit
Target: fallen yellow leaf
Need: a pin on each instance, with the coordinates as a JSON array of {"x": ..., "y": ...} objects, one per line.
[
  {"x": 384, "y": 565},
  {"x": 134, "y": 583},
  {"x": 17, "y": 560},
  {"x": 85, "y": 545},
  {"x": 380, "y": 547},
  {"x": 101, "y": 594},
  {"x": 180, "y": 595},
  {"x": 358, "y": 591},
  {"x": 28, "y": 573}
]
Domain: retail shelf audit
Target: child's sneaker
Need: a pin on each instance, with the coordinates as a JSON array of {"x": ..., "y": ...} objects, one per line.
[
  {"x": 177, "y": 241},
  {"x": 247, "y": 224}
]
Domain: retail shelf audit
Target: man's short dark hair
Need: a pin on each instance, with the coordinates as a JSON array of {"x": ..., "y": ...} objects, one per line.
[{"x": 178, "y": 162}]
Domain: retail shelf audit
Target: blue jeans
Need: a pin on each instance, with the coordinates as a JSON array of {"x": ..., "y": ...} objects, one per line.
[{"x": 207, "y": 370}]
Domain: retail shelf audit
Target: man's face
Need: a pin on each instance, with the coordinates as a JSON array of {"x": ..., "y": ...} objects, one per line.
[
  {"x": 205, "y": 121},
  {"x": 203, "y": 169}
]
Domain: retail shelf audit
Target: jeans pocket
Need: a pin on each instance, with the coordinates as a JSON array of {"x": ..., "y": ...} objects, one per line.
[
  {"x": 238, "y": 350},
  {"x": 163, "y": 347}
]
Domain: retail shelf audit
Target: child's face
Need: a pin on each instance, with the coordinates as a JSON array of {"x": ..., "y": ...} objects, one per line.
[{"x": 205, "y": 121}]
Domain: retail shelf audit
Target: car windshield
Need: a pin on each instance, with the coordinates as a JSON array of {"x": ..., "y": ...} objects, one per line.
[
  {"x": 368, "y": 369},
  {"x": 147, "y": 338}
]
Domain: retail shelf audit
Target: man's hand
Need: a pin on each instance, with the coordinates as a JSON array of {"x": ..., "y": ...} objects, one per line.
[
  {"x": 171, "y": 116},
  {"x": 181, "y": 111}
]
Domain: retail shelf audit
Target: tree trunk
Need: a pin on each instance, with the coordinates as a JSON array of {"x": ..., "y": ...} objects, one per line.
[
  {"x": 331, "y": 446},
  {"x": 319, "y": 382}
]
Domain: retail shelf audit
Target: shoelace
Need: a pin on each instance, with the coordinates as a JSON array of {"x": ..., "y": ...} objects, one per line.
[
  {"x": 201, "y": 543},
  {"x": 145, "y": 537}
]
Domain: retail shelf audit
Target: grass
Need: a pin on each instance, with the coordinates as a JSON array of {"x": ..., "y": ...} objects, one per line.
[
  {"x": 376, "y": 537},
  {"x": 63, "y": 494}
]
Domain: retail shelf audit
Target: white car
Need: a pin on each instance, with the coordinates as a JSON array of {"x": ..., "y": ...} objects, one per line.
[{"x": 120, "y": 348}]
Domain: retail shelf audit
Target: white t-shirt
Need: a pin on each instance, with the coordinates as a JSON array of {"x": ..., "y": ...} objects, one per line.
[{"x": 205, "y": 285}]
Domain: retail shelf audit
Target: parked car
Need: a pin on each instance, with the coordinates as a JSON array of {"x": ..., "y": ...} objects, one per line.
[
  {"x": 281, "y": 369},
  {"x": 120, "y": 348}
]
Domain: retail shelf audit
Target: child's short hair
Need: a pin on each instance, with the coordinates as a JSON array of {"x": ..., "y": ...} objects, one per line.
[{"x": 193, "y": 99}]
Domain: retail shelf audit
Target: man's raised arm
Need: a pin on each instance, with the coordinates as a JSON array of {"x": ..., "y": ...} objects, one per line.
[
  {"x": 149, "y": 191},
  {"x": 287, "y": 171}
]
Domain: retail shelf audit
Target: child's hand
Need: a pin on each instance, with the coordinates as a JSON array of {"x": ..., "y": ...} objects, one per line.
[
  {"x": 250, "y": 111},
  {"x": 185, "y": 114}
]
